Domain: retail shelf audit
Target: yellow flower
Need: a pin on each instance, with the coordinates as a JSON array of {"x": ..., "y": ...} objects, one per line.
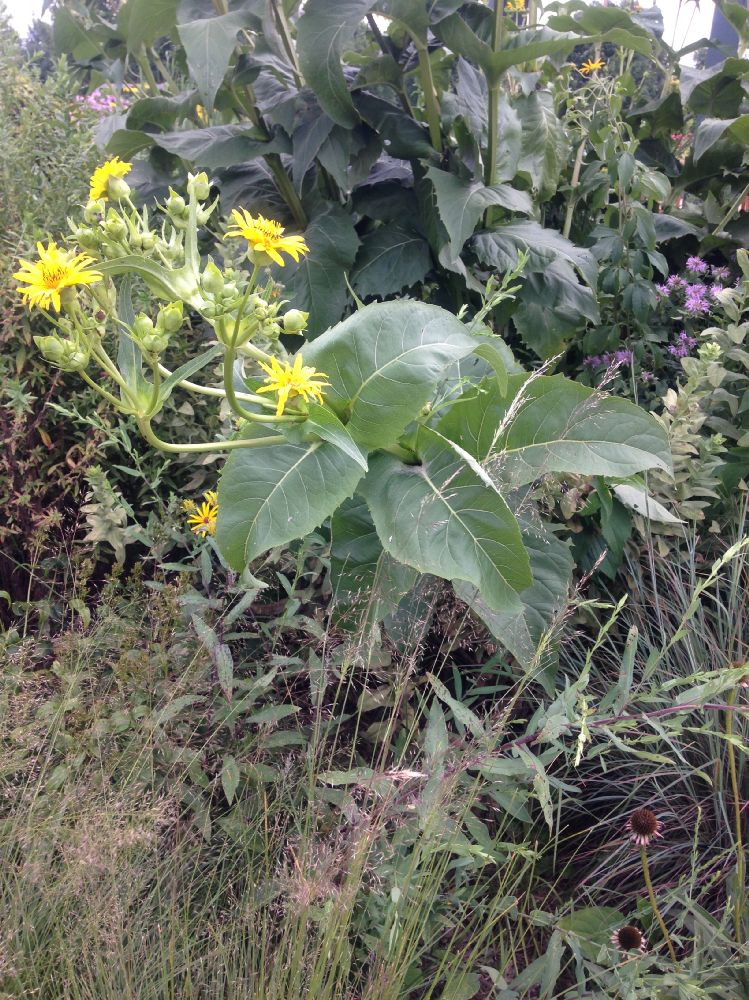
[
  {"x": 266, "y": 236},
  {"x": 202, "y": 519},
  {"x": 100, "y": 177},
  {"x": 54, "y": 271},
  {"x": 591, "y": 65},
  {"x": 515, "y": 6},
  {"x": 292, "y": 380}
]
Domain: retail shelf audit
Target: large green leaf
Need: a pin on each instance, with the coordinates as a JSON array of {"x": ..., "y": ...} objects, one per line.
[
  {"x": 318, "y": 283},
  {"x": 519, "y": 46},
  {"x": 552, "y": 307},
  {"x": 391, "y": 258},
  {"x": 384, "y": 364},
  {"x": 323, "y": 31},
  {"x": 521, "y": 631},
  {"x": 220, "y": 145},
  {"x": 544, "y": 144},
  {"x": 710, "y": 130},
  {"x": 546, "y": 424},
  {"x": 444, "y": 517},
  {"x": 402, "y": 135},
  {"x": 209, "y": 43},
  {"x": 143, "y": 21},
  {"x": 270, "y": 496},
  {"x": 500, "y": 248},
  {"x": 461, "y": 203},
  {"x": 361, "y": 571}
]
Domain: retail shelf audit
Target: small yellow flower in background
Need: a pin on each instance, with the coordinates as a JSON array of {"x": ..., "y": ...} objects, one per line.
[
  {"x": 292, "y": 380},
  {"x": 591, "y": 65},
  {"x": 200, "y": 114},
  {"x": 101, "y": 176},
  {"x": 515, "y": 6},
  {"x": 202, "y": 519},
  {"x": 55, "y": 270},
  {"x": 266, "y": 236}
]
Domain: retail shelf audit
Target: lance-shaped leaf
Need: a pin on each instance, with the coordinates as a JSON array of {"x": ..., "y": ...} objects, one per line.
[
  {"x": 384, "y": 364},
  {"x": 323, "y": 30},
  {"x": 521, "y": 631},
  {"x": 444, "y": 517},
  {"x": 270, "y": 496},
  {"x": 550, "y": 424}
]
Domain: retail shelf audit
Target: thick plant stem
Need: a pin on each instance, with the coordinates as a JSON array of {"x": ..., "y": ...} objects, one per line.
[
  {"x": 430, "y": 95},
  {"x": 286, "y": 189},
  {"x": 117, "y": 403},
  {"x": 216, "y": 392},
  {"x": 574, "y": 184},
  {"x": 738, "y": 902},
  {"x": 203, "y": 447},
  {"x": 490, "y": 173},
  {"x": 285, "y": 32},
  {"x": 654, "y": 904}
]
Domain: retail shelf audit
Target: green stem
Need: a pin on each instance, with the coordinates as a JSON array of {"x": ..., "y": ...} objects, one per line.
[
  {"x": 109, "y": 367},
  {"x": 574, "y": 184},
  {"x": 103, "y": 392},
  {"x": 738, "y": 903},
  {"x": 145, "y": 67},
  {"x": 216, "y": 392},
  {"x": 179, "y": 449},
  {"x": 731, "y": 211},
  {"x": 286, "y": 189},
  {"x": 285, "y": 32},
  {"x": 430, "y": 95},
  {"x": 160, "y": 65},
  {"x": 654, "y": 904},
  {"x": 494, "y": 92}
]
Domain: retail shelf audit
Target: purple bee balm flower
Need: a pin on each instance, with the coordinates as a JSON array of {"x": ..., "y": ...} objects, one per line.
[
  {"x": 646, "y": 376},
  {"x": 606, "y": 358},
  {"x": 592, "y": 361},
  {"x": 662, "y": 291},
  {"x": 623, "y": 357},
  {"x": 695, "y": 300},
  {"x": 696, "y": 265},
  {"x": 678, "y": 351},
  {"x": 673, "y": 282},
  {"x": 721, "y": 274},
  {"x": 689, "y": 341}
]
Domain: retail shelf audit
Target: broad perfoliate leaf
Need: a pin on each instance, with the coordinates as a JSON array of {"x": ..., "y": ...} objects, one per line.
[
  {"x": 384, "y": 363},
  {"x": 461, "y": 203},
  {"x": 391, "y": 258},
  {"x": 544, "y": 144},
  {"x": 272, "y": 495},
  {"x": 443, "y": 517},
  {"x": 220, "y": 145},
  {"x": 323, "y": 31},
  {"x": 317, "y": 283},
  {"x": 500, "y": 248},
  {"x": 550, "y": 424}
]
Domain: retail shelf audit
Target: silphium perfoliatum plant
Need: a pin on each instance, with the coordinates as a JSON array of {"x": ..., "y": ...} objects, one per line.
[{"x": 415, "y": 432}]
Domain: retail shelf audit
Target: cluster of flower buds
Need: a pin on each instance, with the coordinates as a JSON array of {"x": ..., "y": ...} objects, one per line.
[
  {"x": 70, "y": 353},
  {"x": 152, "y": 337}
]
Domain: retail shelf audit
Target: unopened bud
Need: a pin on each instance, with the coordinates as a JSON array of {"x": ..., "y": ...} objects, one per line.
[
  {"x": 155, "y": 343},
  {"x": 143, "y": 326},
  {"x": 118, "y": 188},
  {"x": 114, "y": 226},
  {"x": 213, "y": 279},
  {"x": 52, "y": 348},
  {"x": 198, "y": 185},
  {"x": 147, "y": 241},
  {"x": 169, "y": 319},
  {"x": 295, "y": 321},
  {"x": 175, "y": 204},
  {"x": 94, "y": 211}
]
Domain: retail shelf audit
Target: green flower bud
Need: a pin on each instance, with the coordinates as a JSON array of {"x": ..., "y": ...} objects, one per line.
[
  {"x": 52, "y": 348},
  {"x": 105, "y": 293},
  {"x": 170, "y": 318},
  {"x": 198, "y": 185},
  {"x": 147, "y": 241},
  {"x": 176, "y": 204},
  {"x": 213, "y": 279},
  {"x": 155, "y": 343},
  {"x": 143, "y": 326},
  {"x": 295, "y": 321},
  {"x": 88, "y": 239},
  {"x": 209, "y": 310},
  {"x": 94, "y": 211},
  {"x": 114, "y": 226},
  {"x": 118, "y": 188}
]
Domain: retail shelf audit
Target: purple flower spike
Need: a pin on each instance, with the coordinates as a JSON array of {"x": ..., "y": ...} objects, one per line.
[
  {"x": 696, "y": 300},
  {"x": 696, "y": 265}
]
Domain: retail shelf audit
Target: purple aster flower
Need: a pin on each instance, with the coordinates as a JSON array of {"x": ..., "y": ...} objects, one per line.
[
  {"x": 721, "y": 274},
  {"x": 696, "y": 265}
]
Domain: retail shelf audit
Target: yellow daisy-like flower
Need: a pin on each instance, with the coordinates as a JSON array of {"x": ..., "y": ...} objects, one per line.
[
  {"x": 292, "y": 380},
  {"x": 266, "y": 236},
  {"x": 202, "y": 519},
  {"x": 515, "y": 6},
  {"x": 55, "y": 270},
  {"x": 591, "y": 65},
  {"x": 100, "y": 177}
]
